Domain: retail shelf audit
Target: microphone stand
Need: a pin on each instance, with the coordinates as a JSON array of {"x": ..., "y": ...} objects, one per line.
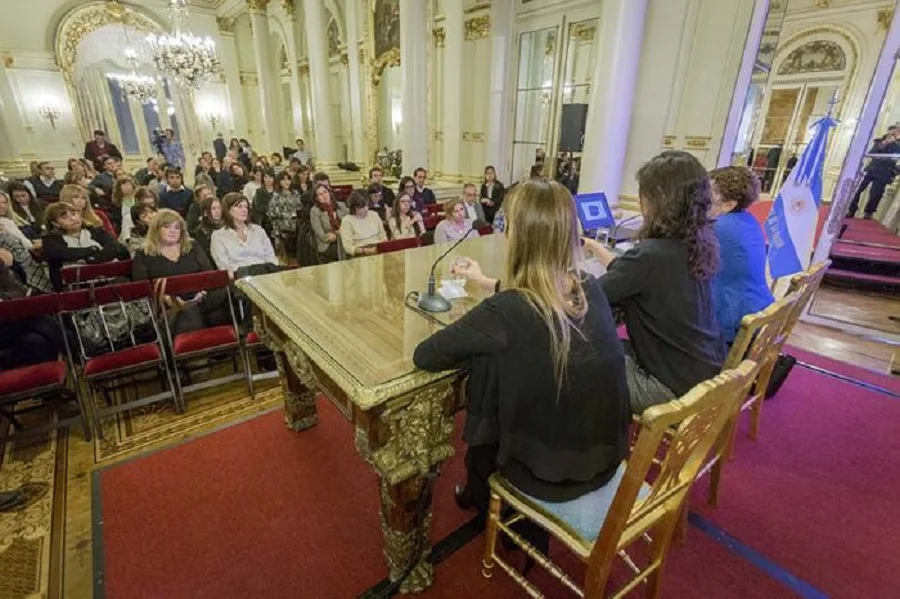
[{"x": 431, "y": 301}]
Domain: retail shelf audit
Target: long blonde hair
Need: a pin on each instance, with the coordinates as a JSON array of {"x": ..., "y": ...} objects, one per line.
[
  {"x": 164, "y": 218},
  {"x": 541, "y": 261},
  {"x": 89, "y": 218}
]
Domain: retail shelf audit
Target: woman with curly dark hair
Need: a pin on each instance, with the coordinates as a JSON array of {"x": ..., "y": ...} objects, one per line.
[{"x": 665, "y": 283}]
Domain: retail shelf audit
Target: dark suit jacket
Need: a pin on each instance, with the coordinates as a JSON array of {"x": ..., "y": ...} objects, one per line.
[{"x": 220, "y": 148}]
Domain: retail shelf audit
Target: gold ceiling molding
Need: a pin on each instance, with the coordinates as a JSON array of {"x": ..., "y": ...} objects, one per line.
[
  {"x": 584, "y": 32},
  {"x": 257, "y": 4},
  {"x": 439, "y": 34},
  {"x": 883, "y": 18},
  {"x": 668, "y": 141},
  {"x": 823, "y": 3},
  {"x": 288, "y": 7},
  {"x": 87, "y": 18},
  {"x": 391, "y": 58},
  {"x": 345, "y": 59},
  {"x": 225, "y": 25},
  {"x": 478, "y": 28}
]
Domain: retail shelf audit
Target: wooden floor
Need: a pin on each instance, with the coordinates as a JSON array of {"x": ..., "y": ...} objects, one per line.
[{"x": 846, "y": 306}]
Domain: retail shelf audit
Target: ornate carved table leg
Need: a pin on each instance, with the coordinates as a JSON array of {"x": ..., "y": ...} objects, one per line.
[
  {"x": 411, "y": 438},
  {"x": 299, "y": 388}
]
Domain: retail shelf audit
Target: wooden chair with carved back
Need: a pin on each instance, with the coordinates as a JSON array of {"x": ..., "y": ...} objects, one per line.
[{"x": 617, "y": 518}]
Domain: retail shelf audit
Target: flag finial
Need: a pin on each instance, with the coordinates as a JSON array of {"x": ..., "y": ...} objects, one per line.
[{"x": 832, "y": 102}]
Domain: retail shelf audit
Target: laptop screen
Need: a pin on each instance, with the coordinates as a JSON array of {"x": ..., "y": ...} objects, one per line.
[{"x": 593, "y": 211}]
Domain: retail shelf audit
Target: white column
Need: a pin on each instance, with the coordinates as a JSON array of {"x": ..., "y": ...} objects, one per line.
[
  {"x": 325, "y": 152},
  {"x": 293, "y": 43},
  {"x": 612, "y": 92},
  {"x": 453, "y": 91},
  {"x": 357, "y": 148},
  {"x": 265, "y": 72},
  {"x": 228, "y": 53},
  {"x": 738, "y": 98},
  {"x": 498, "y": 138},
  {"x": 414, "y": 81}
]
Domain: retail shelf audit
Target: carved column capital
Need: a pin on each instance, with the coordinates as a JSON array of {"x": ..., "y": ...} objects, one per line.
[{"x": 257, "y": 4}]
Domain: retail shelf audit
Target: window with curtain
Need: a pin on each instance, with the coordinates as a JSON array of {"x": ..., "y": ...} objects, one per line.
[{"x": 130, "y": 143}]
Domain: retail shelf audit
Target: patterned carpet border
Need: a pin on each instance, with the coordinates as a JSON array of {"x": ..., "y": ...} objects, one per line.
[{"x": 119, "y": 444}]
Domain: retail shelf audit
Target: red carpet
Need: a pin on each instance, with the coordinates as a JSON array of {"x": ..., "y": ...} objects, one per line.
[
  {"x": 818, "y": 493},
  {"x": 257, "y": 511},
  {"x": 869, "y": 231}
]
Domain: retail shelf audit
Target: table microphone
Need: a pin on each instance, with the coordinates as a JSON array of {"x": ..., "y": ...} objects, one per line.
[
  {"x": 431, "y": 301},
  {"x": 611, "y": 240}
]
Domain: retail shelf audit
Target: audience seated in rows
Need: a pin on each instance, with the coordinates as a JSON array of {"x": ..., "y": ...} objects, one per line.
[
  {"x": 45, "y": 186},
  {"x": 259, "y": 209},
  {"x": 141, "y": 217},
  {"x": 201, "y": 194},
  {"x": 168, "y": 252},
  {"x": 69, "y": 241},
  {"x": 210, "y": 222},
  {"x": 456, "y": 223},
  {"x": 101, "y": 187},
  {"x": 27, "y": 212},
  {"x": 376, "y": 181},
  {"x": 123, "y": 199},
  {"x": 77, "y": 196},
  {"x": 361, "y": 230},
  {"x": 405, "y": 221},
  {"x": 474, "y": 209},
  {"x": 9, "y": 221},
  {"x": 240, "y": 246},
  {"x": 175, "y": 196},
  {"x": 325, "y": 218},
  {"x": 99, "y": 148}
]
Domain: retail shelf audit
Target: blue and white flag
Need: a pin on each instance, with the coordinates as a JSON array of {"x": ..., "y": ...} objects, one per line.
[{"x": 791, "y": 225}]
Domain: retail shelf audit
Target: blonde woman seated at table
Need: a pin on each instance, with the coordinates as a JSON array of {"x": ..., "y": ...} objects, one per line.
[
  {"x": 325, "y": 219},
  {"x": 456, "y": 225},
  {"x": 405, "y": 222},
  {"x": 241, "y": 247},
  {"x": 362, "y": 229}
]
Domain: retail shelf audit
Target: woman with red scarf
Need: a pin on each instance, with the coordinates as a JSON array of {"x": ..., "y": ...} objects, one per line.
[{"x": 325, "y": 218}]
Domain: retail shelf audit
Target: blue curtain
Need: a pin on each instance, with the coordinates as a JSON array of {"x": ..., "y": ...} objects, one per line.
[{"x": 130, "y": 143}]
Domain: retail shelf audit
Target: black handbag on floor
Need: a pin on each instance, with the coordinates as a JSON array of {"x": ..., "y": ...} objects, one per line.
[{"x": 780, "y": 372}]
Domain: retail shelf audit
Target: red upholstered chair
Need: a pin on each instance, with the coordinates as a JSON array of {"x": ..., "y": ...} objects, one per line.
[
  {"x": 119, "y": 366},
  {"x": 217, "y": 340},
  {"x": 485, "y": 230},
  {"x": 434, "y": 209},
  {"x": 76, "y": 276},
  {"x": 395, "y": 245},
  {"x": 432, "y": 221},
  {"x": 45, "y": 380}
]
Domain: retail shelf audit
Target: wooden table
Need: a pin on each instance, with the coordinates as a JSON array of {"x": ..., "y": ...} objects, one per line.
[{"x": 343, "y": 329}]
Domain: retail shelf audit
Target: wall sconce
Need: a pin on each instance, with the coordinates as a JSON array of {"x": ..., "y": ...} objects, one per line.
[
  {"x": 214, "y": 118},
  {"x": 49, "y": 112}
]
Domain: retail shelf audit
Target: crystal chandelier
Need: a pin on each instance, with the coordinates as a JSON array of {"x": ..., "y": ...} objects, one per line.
[
  {"x": 142, "y": 88},
  {"x": 190, "y": 60}
]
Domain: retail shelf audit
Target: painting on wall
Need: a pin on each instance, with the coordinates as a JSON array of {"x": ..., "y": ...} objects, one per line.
[
  {"x": 387, "y": 26},
  {"x": 815, "y": 57}
]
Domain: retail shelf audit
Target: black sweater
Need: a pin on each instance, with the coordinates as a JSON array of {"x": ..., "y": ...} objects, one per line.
[
  {"x": 158, "y": 267},
  {"x": 553, "y": 449},
  {"x": 57, "y": 253},
  {"x": 670, "y": 315}
]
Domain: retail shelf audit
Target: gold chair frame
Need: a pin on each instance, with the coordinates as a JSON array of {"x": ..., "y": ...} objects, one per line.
[{"x": 692, "y": 424}]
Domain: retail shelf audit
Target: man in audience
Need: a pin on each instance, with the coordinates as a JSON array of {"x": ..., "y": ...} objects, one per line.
[
  {"x": 224, "y": 181},
  {"x": 45, "y": 186},
  {"x": 422, "y": 195},
  {"x": 175, "y": 196},
  {"x": 294, "y": 166},
  {"x": 101, "y": 187},
  {"x": 474, "y": 211},
  {"x": 376, "y": 179},
  {"x": 150, "y": 172},
  {"x": 303, "y": 155},
  {"x": 95, "y": 150},
  {"x": 219, "y": 146},
  {"x": 172, "y": 150}
]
